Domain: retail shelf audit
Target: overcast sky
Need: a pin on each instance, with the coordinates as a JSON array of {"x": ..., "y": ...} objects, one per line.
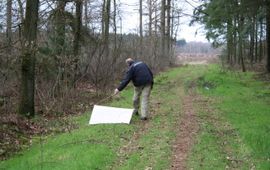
[{"x": 131, "y": 20}]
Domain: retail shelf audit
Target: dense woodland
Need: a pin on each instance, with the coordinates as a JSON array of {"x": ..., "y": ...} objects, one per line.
[{"x": 50, "y": 50}]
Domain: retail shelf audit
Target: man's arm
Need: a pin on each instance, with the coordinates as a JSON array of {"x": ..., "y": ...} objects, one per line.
[{"x": 126, "y": 79}]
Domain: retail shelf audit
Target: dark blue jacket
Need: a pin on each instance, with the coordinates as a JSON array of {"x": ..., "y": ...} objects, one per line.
[{"x": 139, "y": 73}]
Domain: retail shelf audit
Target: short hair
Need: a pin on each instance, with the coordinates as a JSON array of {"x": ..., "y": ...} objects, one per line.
[{"x": 129, "y": 60}]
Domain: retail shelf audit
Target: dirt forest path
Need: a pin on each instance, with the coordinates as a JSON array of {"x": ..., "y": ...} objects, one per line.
[
  {"x": 188, "y": 126},
  {"x": 185, "y": 124},
  {"x": 186, "y": 132}
]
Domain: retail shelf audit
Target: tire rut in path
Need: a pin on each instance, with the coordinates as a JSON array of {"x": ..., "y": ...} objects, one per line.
[{"x": 186, "y": 132}]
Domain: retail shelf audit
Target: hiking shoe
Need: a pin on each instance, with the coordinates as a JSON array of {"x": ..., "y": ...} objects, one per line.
[{"x": 143, "y": 118}]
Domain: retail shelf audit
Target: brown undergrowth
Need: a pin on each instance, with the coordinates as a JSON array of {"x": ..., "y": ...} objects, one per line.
[{"x": 52, "y": 117}]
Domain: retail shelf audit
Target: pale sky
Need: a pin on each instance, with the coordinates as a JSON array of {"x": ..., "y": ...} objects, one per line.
[{"x": 129, "y": 8}]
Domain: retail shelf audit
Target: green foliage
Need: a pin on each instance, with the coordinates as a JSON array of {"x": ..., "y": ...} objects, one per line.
[
  {"x": 214, "y": 15},
  {"x": 221, "y": 18}
]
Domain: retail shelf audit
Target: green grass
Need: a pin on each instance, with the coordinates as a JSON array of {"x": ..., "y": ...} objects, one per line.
[
  {"x": 90, "y": 147},
  {"x": 100, "y": 146},
  {"x": 233, "y": 113},
  {"x": 242, "y": 119}
]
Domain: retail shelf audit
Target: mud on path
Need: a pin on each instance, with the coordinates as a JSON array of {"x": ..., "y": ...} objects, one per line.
[{"x": 186, "y": 132}]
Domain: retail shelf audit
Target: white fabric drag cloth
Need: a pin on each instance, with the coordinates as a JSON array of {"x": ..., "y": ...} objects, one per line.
[{"x": 105, "y": 114}]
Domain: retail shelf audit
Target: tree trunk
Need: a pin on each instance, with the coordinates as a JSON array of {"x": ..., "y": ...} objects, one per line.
[
  {"x": 261, "y": 41},
  {"x": 106, "y": 19},
  {"x": 172, "y": 21},
  {"x": 235, "y": 42},
  {"x": 256, "y": 40},
  {"x": 241, "y": 57},
  {"x": 150, "y": 18},
  {"x": 163, "y": 30},
  {"x": 27, "y": 104},
  {"x": 78, "y": 23},
  {"x": 114, "y": 23},
  {"x": 141, "y": 31},
  {"x": 21, "y": 11},
  {"x": 60, "y": 22},
  {"x": 103, "y": 18},
  {"x": 77, "y": 38},
  {"x": 168, "y": 37},
  {"x": 268, "y": 34},
  {"x": 9, "y": 26},
  {"x": 156, "y": 21},
  {"x": 86, "y": 13},
  {"x": 229, "y": 41},
  {"x": 106, "y": 26},
  {"x": 252, "y": 40}
]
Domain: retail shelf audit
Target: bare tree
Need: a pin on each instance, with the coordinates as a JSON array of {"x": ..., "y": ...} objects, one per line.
[
  {"x": 78, "y": 23},
  {"x": 59, "y": 22},
  {"x": 21, "y": 10},
  {"x": 168, "y": 29},
  {"x": 141, "y": 27},
  {"x": 150, "y": 9},
  {"x": 77, "y": 37},
  {"x": 240, "y": 39},
  {"x": 162, "y": 27},
  {"x": 9, "y": 25},
  {"x": 86, "y": 13},
  {"x": 106, "y": 19},
  {"x": 268, "y": 34},
  {"x": 27, "y": 104},
  {"x": 114, "y": 22}
]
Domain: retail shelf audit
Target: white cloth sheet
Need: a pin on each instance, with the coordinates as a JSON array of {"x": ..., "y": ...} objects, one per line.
[{"x": 105, "y": 114}]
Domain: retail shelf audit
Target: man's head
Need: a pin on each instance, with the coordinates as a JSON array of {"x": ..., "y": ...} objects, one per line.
[{"x": 129, "y": 61}]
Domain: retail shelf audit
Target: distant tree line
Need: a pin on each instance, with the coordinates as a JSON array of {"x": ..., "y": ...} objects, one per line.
[
  {"x": 195, "y": 48},
  {"x": 181, "y": 42},
  {"x": 241, "y": 25},
  {"x": 47, "y": 47}
]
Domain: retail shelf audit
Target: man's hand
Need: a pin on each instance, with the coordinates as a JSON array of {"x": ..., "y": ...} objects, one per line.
[{"x": 116, "y": 91}]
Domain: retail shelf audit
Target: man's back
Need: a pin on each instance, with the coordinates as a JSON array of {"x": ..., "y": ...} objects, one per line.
[{"x": 141, "y": 74}]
